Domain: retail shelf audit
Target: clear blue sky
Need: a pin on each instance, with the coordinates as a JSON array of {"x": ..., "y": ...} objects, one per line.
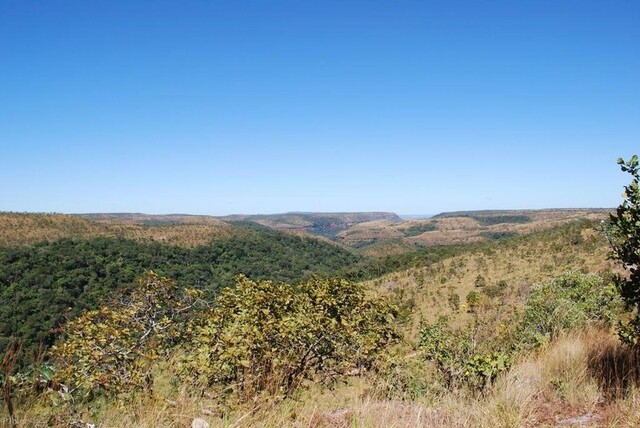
[{"x": 218, "y": 107}]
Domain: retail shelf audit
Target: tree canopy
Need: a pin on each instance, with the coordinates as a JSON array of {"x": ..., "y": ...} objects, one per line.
[{"x": 624, "y": 235}]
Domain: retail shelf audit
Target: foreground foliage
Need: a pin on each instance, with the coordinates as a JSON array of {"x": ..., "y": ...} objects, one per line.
[
  {"x": 264, "y": 337},
  {"x": 624, "y": 236},
  {"x": 463, "y": 358},
  {"x": 112, "y": 348},
  {"x": 43, "y": 285},
  {"x": 259, "y": 337}
]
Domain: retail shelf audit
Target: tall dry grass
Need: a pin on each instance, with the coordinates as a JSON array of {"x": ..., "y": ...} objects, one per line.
[{"x": 583, "y": 378}]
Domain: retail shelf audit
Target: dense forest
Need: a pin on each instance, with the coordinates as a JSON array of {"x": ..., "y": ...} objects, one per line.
[{"x": 43, "y": 284}]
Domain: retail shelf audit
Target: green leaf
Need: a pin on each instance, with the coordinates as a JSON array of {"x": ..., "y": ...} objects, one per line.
[{"x": 47, "y": 373}]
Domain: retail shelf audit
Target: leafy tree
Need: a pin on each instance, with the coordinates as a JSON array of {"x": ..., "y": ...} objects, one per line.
[
  {"x": 265, "y": 337},
  {"x": 112, "y": 348},
  {"x": 623, "y": 232}
]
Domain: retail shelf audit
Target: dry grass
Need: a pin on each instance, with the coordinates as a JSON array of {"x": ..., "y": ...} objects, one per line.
[
  {"x": 569, "y": 383},
  {"x": 582, "y": 378},
  {"x": 20, "y": 229},
  {"x": 518, "y": 264},
  {"x": 456, "y": 229}
]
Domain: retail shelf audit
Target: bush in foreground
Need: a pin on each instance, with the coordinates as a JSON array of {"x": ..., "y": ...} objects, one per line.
[
  {"x": 112, "y": 349},
  {"x": 263, "y": 337}
]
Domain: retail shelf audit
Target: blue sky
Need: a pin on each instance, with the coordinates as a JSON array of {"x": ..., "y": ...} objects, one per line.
[{"x": 219, "y": 107}]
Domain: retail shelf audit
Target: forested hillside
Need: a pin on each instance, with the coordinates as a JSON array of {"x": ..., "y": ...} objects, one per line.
[{"x": 45, "y": 283}]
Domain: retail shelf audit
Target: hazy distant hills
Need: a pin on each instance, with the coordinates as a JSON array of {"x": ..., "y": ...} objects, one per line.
[
  {"x": 328, "y": 225},
  {"x": 29, "y": 228},
  {"x": 553, "y": 212},
  {"x": 382, "y": 237},
  {"x": 153, "y": 220},
  {"x": 177, "y": 229},
  {"x": 371, "y": 233}
]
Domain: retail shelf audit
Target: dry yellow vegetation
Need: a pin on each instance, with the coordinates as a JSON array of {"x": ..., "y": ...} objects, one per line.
[
  {"x": 21, "y": 229},
  {"x": 509, "y": 266},
  {"x": 582, "y": 378},
  {"x": 459, "y": 228}
]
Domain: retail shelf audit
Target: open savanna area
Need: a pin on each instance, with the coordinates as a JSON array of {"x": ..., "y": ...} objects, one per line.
[
  {"x": 500, "y": 273},
  {"x": 509, "y": 332},
  {"x": 319, "y": 214},
  {"x": 385, "y": 237},
  {"x": 186, "y": 231}
]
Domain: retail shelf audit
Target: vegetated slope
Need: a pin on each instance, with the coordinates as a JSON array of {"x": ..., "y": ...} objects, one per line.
[
  {"x": 151, "y": 219},
  {"x": 438, "y": 280},
  {"x": 186, "y": 231},
  {"x": 559, "y": 382},
  {"x": 42, "y": 284},
  {"x": 327, "y": 225},
  {"x": 456, "y": 228}
]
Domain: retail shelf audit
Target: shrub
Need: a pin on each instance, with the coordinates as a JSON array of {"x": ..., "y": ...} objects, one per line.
[
  {"x": 447, "y": 349},
  {"x": 263, "y": 337},
  {"x": 496, "y": 290},
  {"x": 567, "y": 302},
  {"x": 454, "y": 301},
  {"x": 473, "y": 300},
  {"x": 457, "y": 361},
  {"x": 401, "y": 377},
  {"x": 111, "y": 349}
]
